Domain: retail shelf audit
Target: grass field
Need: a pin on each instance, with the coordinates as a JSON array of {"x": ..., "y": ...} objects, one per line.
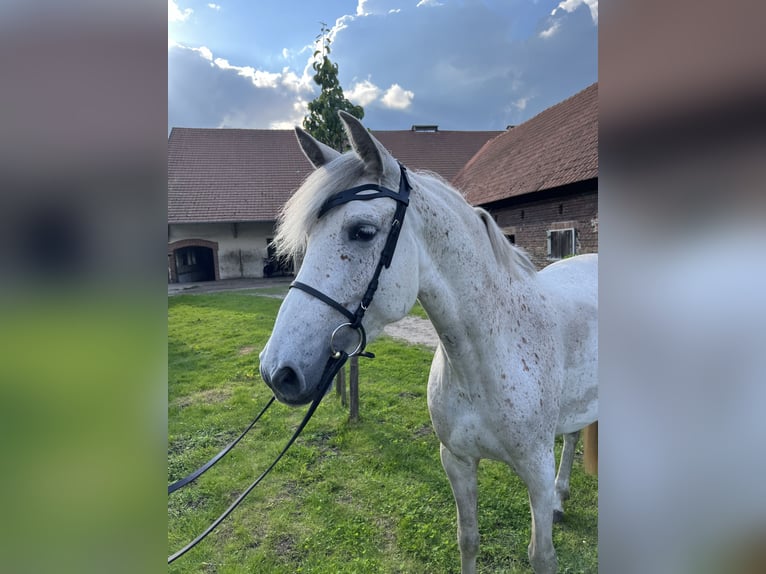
[{"x": 365, "y": 497}]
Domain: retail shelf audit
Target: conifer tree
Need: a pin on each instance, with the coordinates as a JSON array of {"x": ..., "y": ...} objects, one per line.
[{"x": 323, "y": 122}]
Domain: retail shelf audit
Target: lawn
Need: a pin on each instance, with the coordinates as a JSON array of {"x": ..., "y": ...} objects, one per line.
[{"x": 361, "y": 497}]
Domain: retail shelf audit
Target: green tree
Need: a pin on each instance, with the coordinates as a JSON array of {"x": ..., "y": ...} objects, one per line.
[{"x": 323, "y": 122}]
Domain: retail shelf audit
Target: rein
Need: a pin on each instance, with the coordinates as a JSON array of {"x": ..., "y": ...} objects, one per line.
[
  {"x": 205, "y": 467},
  {"x": 331, "y": 369},
  {"x": 338, "y": 357}
]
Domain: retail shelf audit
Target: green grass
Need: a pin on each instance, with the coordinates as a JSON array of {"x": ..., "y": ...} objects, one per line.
[{"x": 348, "y": 497}]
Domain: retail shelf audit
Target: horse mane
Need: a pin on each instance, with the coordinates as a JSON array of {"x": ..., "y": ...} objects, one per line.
[
  {"x": 511, "y": 258},
  {"x": 299, "y": 214}
]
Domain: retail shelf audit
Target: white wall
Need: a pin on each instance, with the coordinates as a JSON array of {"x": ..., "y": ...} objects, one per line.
[{"x": 240, "y": 256}]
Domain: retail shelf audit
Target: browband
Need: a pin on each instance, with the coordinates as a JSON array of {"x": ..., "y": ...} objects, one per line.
[{"x": 356, "y": 193}]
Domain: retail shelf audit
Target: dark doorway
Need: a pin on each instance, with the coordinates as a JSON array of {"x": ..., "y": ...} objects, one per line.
[
  {"x": 195, "y": 263},
  {"x": 274, "y": 265}
]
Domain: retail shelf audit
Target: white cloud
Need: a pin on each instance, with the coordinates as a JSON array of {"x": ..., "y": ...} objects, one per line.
[
  {"x": 397, "y": 98},
  {"x": 429, "y": 3},
  {"x": 548, "y": 32},
  {"x": 209, "y": 91},
  {"x": 363, "y": 93},
  {"x": 520, "y": 104},
  {"x": 175, "y": 14},
  {"x": 296, "y": 83},
  {"x": 300, "y": 110},
  {"x": 572, "y": 5},
  {"x": 205, "y": 52},
  {"x": 369, "y": 7},
  {"x": 260, "y": 78},
  {"x": 213, "y": 6}
]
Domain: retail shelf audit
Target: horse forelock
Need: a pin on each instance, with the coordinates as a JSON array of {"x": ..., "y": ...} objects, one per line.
[{"x": 299, "y": 214}]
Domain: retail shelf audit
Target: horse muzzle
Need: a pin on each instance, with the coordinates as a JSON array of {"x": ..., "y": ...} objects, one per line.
[{"x": 288, "y": 385}]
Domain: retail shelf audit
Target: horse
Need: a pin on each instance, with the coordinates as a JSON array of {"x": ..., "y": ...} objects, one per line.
[{"x": 516, "y": 362}]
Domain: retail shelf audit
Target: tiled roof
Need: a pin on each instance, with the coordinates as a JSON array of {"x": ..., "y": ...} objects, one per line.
[
  {"x": 247, "y": 175},
  {"x": 231, "y": 174},
  {"x": 558, "y": 146},
  {"x": 443, "y": 152}
]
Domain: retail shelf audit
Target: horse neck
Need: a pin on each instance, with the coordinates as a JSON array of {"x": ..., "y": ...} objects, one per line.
[{"x": 462, "y": 286}]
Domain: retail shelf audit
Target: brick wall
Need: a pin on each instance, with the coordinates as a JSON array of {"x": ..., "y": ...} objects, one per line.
[{"x": 530, "y": 220}]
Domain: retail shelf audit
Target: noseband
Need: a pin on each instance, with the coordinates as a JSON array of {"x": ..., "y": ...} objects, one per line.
[{"x": 362, "y": 193}]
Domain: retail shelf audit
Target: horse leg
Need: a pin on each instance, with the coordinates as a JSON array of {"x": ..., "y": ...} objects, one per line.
[
  {"x": 539, "y": 477},
  {"x": 462, "y": 478},
  {"x": 565, "y": 469}
]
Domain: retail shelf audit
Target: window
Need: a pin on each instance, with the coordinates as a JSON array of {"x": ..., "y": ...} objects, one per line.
[{"x": 561, "y": 243}]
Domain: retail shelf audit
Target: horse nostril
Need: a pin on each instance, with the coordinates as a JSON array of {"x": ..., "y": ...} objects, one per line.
[{"x": 286, "y": 380}]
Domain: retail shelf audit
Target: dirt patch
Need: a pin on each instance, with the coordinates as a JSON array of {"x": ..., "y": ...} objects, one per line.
[
  {"x": 246, "y": 350},
  {"x": 217, "y": 395},
  {"x": 413, "y": 330}
]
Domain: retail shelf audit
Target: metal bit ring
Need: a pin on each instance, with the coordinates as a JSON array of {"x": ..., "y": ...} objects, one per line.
[{"x": 336, "y": 354}]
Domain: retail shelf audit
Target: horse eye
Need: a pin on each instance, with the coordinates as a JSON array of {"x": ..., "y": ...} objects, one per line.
[{"x": 364, "y": 232}]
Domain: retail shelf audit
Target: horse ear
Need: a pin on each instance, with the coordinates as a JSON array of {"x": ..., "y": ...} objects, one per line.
[
  {"x": 370, "y": 150},
  {"x": 315, "y": 151}
]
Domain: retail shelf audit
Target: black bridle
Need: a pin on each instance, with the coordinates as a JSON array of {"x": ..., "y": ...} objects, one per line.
[
  {"x": 338, "y": 357},
  {"x": 362, "y": 193}
]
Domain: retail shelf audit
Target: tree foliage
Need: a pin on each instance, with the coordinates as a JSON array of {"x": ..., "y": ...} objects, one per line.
[{"x": 323, "y": 122}]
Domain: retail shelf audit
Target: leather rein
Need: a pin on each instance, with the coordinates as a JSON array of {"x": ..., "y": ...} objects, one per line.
[{"x": 338, "y": 357}]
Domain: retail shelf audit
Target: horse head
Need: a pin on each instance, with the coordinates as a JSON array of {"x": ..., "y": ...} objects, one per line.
[{"x": 339, "y": 223}]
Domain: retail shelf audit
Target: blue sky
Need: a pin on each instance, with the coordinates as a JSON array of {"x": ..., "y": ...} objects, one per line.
[{"x": 460, "y": 64}]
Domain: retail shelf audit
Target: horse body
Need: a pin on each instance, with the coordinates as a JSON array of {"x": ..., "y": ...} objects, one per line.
[{"x": 516, "y": 363}]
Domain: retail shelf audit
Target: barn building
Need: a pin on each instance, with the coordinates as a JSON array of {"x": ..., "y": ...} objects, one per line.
[
  {"x": 539, "y": 180},
  {"x": 226, "y": 187}
]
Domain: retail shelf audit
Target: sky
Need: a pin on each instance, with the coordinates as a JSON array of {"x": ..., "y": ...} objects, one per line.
[{"x": 458, "y": 64}]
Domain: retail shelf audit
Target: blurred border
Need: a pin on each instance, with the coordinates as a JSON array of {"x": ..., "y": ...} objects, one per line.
[
  {"x": 683, "y": 271},
  {"x": 83, "y": 218},
  {"x": 83, "y": 102}
]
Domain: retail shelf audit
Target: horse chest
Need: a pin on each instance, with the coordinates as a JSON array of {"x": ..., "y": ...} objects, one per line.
[{"x": 488, "y": 422}]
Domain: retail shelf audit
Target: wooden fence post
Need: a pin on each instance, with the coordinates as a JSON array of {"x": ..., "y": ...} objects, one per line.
[
  {"x": 353, "y": 387},
  {"x": 590, "y": 448}
]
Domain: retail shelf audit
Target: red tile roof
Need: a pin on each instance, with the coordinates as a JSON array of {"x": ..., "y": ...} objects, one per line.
[
  {"x": 231, "y": 174},
  {"x": 247, "y": 175},
  {"x": 443, "y": 152},
  {"x": 558, "y": 146}
]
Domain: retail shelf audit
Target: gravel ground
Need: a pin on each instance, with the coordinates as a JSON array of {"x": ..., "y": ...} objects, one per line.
[{"x": 413, "y": 330}]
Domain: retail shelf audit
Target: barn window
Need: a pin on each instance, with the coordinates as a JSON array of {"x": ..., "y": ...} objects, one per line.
[{"x": 561, "y": 243}]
